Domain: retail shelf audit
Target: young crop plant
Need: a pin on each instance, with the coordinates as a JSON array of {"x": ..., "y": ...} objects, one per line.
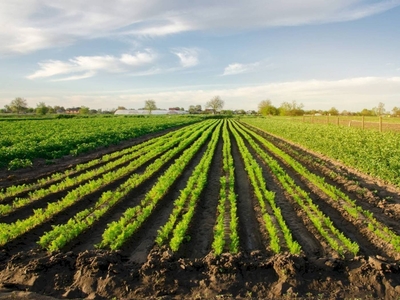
[
  {"x": 195, "y": 186},
  {"x": 336, "y": 239},
  {"x": 61, "y": 234},
  {"x": 275, "y": 225},
  {"x": 52, "y": 139},
  {"x": 122, "y": 156},
  {"x": 134, "y": 159},
  {"x": 354, "y": 211},
  {"x": 13, "y": 230},
  {"x": 119, "y": 231},
  {"x": 227, "y": 207},
  {"x": 375, "y": 153}
]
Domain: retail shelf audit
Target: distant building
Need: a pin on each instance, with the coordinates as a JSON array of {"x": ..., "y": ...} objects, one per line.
[
  {"x": 146, "y": 112},
  {"x": 73, "y": 110}
]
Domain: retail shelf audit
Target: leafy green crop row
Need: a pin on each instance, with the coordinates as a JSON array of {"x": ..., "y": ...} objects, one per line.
[
  {"x": 48, "y": 139},
  {"x": 119, "y": 231},
  {"x": 61, "y": 234},
  {"x": 13, "y": 230},
  {"x": 226, "y": 228},
  {"x": 134, "y": 160},
  {"x": 375, "y": 153},
  {"x": 349, "y": 205},
  {"x": 336, "y": 239},
  {"x": 274, "y": 223},
  {"x": 15, "y": 190}
]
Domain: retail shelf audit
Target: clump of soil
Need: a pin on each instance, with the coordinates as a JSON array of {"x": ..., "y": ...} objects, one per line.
[{"x": 100, "y": 274}]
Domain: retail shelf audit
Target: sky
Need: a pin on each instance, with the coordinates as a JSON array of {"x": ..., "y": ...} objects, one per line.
[{"x": 103, "y": 54}]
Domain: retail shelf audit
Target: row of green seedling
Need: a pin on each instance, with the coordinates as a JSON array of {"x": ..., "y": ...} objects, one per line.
[
  {"x": 13, "y": 230},
  {"x": 18, "y": 189},
  {"x": 226, "y": 237},
  {"x": 274, "y": 222},
  {"x": 350, "y": 206},
  {"x": 336, "y": 239},
  {"x": 68, "y": 182},
  {"x": 185, "y": 204},
  {"x": 119, "y": 231},
  {"x": 64, "y": 233}
]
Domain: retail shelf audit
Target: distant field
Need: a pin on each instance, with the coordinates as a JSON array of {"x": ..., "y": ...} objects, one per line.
[{"x": 23, "y": 140}]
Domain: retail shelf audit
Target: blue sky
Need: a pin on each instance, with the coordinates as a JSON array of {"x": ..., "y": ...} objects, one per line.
[{"x": 104, "y": 54}]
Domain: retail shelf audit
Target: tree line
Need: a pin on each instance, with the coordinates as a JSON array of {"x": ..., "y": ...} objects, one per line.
[
  {"x": 293, "y": 108},
  {"x": 215, "y": 105}
]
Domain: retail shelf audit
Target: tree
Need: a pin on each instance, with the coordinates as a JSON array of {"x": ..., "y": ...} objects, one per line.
[
  {"x": 195, "y": 109},
  {"x": 396, "y": 111},
  {"x": 266, "y": 108},
  {"x": 84, "y": 110},
  {"x": 150, "y": 105},
  {"x": 18, "y": 105},
  {"x": 7, "y": 108},
  {"x": 367, "y": 112},
  {"x": 291, "y": 109},
  {"x": 333, "y": 112},
  {"x": 380, "y": 110},
  {"x": 59, "y": 109},
  {"x": 41, "y": 108},
  {"x": 215, "y": 104}
]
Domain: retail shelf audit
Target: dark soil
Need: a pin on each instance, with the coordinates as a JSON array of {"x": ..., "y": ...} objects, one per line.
[{"x": 143, "y": 270}]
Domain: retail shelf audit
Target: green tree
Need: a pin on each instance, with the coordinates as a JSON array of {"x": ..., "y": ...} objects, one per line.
[
  {"x": 396, "y": 111},
  {"x": 291, "y": 109},
  {"x": 41, "y": 108},
  {"x": 333, "y": 112},
  {"x": 84, "y": 110},
  {"x": 150, "y": 105},
  {"x": 367, "y": 112},
  {"x": 195, "y": 109},
  {"x": 380, "y": 110},
  {"x": 18, "y": 105},
  {"x": 266, "y": 108},
  {"x": 216, "y": 104},
  {"x": 7, "y": 108}
]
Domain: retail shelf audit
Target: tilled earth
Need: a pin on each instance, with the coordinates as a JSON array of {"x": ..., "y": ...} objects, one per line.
[{"x": 142, "y": 270}]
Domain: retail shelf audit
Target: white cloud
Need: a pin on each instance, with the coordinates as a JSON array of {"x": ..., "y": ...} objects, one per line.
[
  {"x": 28, "y": 26},
  {"x": 77, "y": 77},
  {"x": 188, "y": 56},
  {"x": 88, "y": 66},
  {"x": 237, "y": 68},
  {"x": 352, "y": 94}
]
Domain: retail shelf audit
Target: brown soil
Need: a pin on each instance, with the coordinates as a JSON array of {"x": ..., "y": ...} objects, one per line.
[{"x": 142, "y": 270}]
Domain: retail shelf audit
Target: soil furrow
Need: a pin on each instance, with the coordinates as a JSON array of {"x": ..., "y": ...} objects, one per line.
[
  {"x": 334, "y": 212},
  {"x": 201, "y": 229},
  {"x": 249, "y": 228}
]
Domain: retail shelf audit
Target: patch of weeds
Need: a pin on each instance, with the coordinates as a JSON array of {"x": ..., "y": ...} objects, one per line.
[{"x": 19, "y": 163}]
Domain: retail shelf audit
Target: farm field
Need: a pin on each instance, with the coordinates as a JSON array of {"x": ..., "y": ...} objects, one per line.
[
  {"x": 217, "y": 208},
  {"x": 24, "y": 140}
]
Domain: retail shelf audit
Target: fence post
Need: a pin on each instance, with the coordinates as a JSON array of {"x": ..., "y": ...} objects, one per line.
[
  {"x": 337, "y": 121},
  {"x": 380, "y": 123},
  {"x": 362, "y": 126}
]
